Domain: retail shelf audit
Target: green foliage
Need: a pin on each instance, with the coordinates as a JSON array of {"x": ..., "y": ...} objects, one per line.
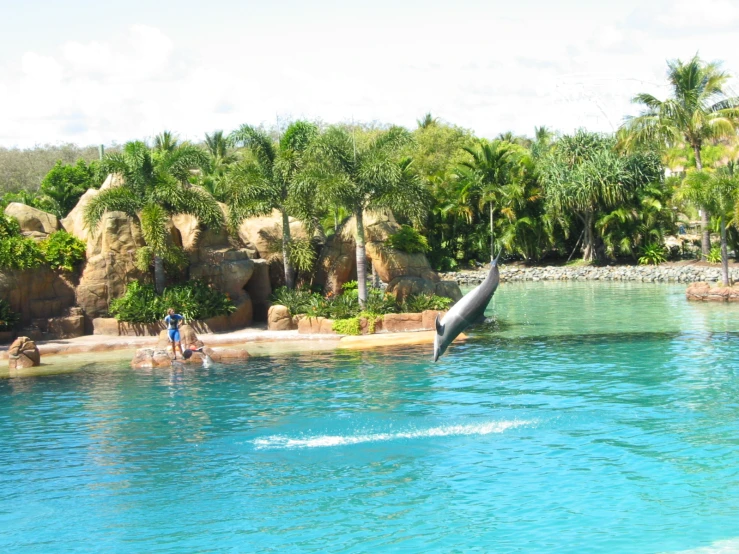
[
  {"x": 298, "y": 301},
  {"x": 408, "y": 240},
  {"x": 65, "y": 183},
  {"x": 175, "y": 259},
  {"x": 63, "y": 251},
  {"x": 194, "y": 300},
  {"x": 17, "y": 252},
  {"x": 348, "y": 326},
  {"x": 654, "y": 254},
  {"x": 8, "y": 318},
  {"x": 416, "y": 303},
  {"x": 349, "y": 285},
  {"x": 714, "y": 256},
  {"x": 9, "y": 227}
]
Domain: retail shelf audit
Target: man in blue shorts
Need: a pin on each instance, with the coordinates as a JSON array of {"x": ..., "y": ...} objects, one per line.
[{"x": 172, "y": 321}]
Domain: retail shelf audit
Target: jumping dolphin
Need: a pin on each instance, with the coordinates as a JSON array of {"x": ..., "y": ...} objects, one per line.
[{"x": 469, "y": 310}]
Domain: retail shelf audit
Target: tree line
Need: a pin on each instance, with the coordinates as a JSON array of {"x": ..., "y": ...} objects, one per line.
[{"x": 588, "y": 194}]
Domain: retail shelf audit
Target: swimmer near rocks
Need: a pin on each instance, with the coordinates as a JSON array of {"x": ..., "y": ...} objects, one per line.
[
  {"x": 195, "y": 352},
  {"x": 468, "y": 311}
]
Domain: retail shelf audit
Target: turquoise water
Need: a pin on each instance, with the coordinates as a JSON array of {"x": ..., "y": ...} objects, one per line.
[{"x": 586, "y": 418}]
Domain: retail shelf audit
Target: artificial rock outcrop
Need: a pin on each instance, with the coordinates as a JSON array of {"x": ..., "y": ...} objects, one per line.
[
  {"x": 34, "y": 223},
  {"x": 23, "y": 353},
  {"x": 404, "y": 273}
]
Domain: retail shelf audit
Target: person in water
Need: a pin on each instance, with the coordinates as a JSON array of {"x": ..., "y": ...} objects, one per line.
[{"x": 172, "y": 321}]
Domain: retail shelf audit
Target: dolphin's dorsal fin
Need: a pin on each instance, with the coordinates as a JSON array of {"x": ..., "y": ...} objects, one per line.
[{"x": 439, "y": 326}]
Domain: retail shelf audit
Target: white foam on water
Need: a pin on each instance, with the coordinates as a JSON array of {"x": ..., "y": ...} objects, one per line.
[
  {"x": 729, "y": 546},
  {"x": 321, "y": 441}
]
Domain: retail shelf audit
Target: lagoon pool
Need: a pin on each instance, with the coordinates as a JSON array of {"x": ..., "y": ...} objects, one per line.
[{"x": 588, "y": 417}]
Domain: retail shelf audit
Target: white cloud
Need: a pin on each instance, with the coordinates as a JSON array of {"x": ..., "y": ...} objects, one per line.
[{"x": 488, "y": 73}]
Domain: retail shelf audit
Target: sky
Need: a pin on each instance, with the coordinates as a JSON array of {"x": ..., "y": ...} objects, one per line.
[{"x": 108, "y": 72}]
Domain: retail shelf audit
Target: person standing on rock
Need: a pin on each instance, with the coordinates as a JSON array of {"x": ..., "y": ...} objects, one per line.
[{"x": 172, "y": 321}]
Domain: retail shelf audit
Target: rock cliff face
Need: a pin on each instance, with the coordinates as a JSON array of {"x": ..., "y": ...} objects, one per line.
[
  {"x": 404, "y": 273},
  {"x": 37, "y": 293}
]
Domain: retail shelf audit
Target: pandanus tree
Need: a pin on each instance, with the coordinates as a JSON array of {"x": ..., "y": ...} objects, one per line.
[
  {"x": 267, "y": 180},
  {"x": 154, "y": 188},
  {"x": 365, "y": 176},
  {"x": 697, "y": 111},
  {"x": 584, "y": 175},
  {"x": 718, "y": 191}
]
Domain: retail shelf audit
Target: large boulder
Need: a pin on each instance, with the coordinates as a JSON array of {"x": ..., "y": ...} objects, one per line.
[
  {"x": 263, "y": 232},
  {"x": 403, "y": 287},
  {"x": 280, "y": 319},
  {"x": 34, "y": 223},
  {"x": 23, "y": 353},
  {"x": 146, "y": 358}
]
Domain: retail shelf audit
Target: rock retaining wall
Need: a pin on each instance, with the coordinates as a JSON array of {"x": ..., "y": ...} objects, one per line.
[{"x": 648, "y": 274}]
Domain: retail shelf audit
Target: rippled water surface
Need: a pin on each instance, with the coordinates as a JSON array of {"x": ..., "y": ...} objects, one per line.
[{"x": 586, "y": 418}]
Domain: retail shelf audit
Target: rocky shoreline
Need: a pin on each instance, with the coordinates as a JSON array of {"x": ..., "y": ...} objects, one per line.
[{"x": 691, "y": 272}]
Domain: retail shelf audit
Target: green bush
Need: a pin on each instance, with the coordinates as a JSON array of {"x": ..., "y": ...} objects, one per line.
[
  {"x": 348, "y": 326},
  {"x": 714, "y": 256},
  {"x": 194, "y": 300},
  {"x": 653, "y": 254},
  {"x": 416, "y": 303},
  {"x": 63, "y": 251},
  {"x": 9, "y": 227},
  {"x": 18, "y": 252},
  {"x": 407, "y": 239},
  {"x": 298, "y": 301},
  {"x": 8, "y": 318}
]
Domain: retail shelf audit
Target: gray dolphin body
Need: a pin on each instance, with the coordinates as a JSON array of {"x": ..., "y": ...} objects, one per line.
[{"x": 469, "y": 310}]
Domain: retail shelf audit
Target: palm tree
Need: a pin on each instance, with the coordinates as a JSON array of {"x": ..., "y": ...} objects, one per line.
[
  {"x": 483, "y": 177},
  {"x": 214, "y": 175},
  {"x": 427, "y": 121},
  {"x": 166, "y": 142},
  {"x": 267, "y": 180},
  {"x": 361, "y": 177},
  {"x": 697, "y": 111},
  {"x": 153, "y": 189},
  {"x": 717, "y": 191}
]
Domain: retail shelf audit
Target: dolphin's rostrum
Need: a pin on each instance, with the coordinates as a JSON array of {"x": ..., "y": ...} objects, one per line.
[{"x": 469, "y": 310}]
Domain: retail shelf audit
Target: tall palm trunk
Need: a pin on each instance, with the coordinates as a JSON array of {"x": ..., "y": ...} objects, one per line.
[
  {"x": 705, "y": 217},
  {"x": 159, "y": 274},
  {"x": 724, "y": 253},
  {"x": 286, "y": 245},
  {"x": 361, "y": 260},
  {"x": 588, "y": 243}
]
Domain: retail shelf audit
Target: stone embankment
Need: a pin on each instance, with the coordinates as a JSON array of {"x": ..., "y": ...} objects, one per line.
[{"x": 664, "y": 273}]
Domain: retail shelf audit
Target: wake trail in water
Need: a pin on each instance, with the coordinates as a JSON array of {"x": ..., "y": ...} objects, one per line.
[{"x": 276, "y": 442}]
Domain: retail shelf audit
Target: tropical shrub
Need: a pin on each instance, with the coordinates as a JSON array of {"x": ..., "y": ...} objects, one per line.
[
  {"x": 194, "y": 300},
  {"x": 408, "y": 240},
  {"x": 298, "y": 301},
  {"x": 17, "y": 252},
  {"x": 62, "y": 250},
  {"x": 349, "y": 326},
  {"x": 714, "y": 256},
  {"x": 652, "y": 254},
  {"x": 9, "y": 227},
  {"x": 8, "y": 318},
  {"x": 416, "y": 303}
]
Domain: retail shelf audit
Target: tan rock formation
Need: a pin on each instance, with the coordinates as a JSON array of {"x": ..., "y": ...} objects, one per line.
[
  {"x": 37, "y": 293},
  {"x": 111, "y": 254},
  {"x": 705, "y": 292},
  {"x": 316, "y": 326},
  {"x": 146, "y": 358},
  {"x": 34, "y": 223},
  {"x": 23, "y": 353},
  {"x": 261, "y": 232},
  {"x": 396, "y": 323},
  {"x": 403, "y": 287},
  {"x": 63, "y": 327},
  {"x": 279, "y": 318},
  {"x": 337, "y": 263}
]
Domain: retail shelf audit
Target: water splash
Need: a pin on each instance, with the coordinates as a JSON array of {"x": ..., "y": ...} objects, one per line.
[
  {"x": 279, "y": 442},
  {"x": 730, "y": 546}
]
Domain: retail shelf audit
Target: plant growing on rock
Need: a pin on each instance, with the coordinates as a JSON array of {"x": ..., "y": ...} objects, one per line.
[
  {"x": 155, "y": 187},
  {"x": 8, "y": 318},
  {"x": 416, "y": 303},
  {"x": 63, "y": 251},
  {"x": 652, "y": 254},
  {"x": 408, "y": 240}
]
